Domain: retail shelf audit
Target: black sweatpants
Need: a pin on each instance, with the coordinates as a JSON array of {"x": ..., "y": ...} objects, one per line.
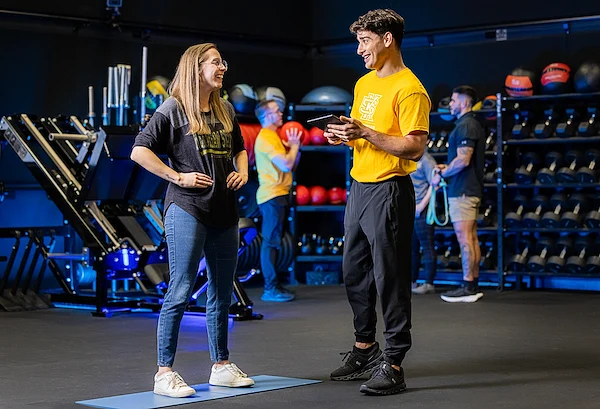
[{"x": 378, "y": 228}]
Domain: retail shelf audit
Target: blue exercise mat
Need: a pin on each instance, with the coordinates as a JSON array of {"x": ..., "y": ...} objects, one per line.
[{"x": 204, "y": 391}]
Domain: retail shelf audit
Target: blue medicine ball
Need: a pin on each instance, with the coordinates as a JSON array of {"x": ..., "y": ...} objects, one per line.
[{"x": 327, "y": 95}]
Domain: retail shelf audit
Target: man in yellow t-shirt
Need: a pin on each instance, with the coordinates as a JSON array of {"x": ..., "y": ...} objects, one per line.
[
  {"x": 275, "y": 161},
  {"x": 388, "y": 130}
]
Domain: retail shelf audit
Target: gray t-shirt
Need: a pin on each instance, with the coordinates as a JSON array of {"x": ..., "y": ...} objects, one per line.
[
  {"x": 211, "y": 154},
  {"x": 421, "y": 178}
]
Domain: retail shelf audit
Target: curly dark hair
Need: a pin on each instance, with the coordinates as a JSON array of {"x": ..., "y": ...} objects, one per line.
[{"x": 381, "y": 21}]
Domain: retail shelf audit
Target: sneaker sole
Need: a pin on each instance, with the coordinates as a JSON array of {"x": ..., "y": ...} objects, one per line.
[
  {"x": 229, "y": 385},
  {"x": 367, "y": 371},
  {"x": 392, "y": 391},
  {"x": 278, "y": 300},
  {"x": 174, "y": 395},
  {"x": 466, "y": 298}
]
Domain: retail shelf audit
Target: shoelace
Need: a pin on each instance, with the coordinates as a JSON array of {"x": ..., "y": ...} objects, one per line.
[
  {"x": 237, "y": 371},
  {"x": 177, "y": 381},
  {"x": 346, "y": 354},
  {"x": 379, "y": 372}
]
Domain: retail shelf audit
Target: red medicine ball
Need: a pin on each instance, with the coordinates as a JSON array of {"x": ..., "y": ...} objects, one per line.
[
  {"x": 519, "y": 83},
  {"x": 316, "y": 136},
  {"x": 249, "y": 133},
  {"x": 555, "y": 78},
  {"x": 337, "y": 195},
  {"x": 302, "y": 195},
  {"x": 318, "y": 195},
  {"x": 290, "y": 125}
]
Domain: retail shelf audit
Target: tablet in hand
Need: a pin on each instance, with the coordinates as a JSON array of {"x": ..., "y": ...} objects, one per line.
[{"x": 323, "y": 121}]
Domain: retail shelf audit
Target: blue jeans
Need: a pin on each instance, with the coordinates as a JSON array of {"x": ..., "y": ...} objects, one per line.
[
  {"x": 273, "y": 216},
  {"x": 187, "y": 239}
]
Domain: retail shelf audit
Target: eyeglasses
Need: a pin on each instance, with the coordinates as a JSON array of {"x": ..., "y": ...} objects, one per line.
[{"x": 218, "y": 63}]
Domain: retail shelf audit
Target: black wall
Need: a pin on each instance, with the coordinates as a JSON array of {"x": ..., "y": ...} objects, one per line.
[
  {"x": 483, "y": 66},
  {"x": 333, "y": 17},
  {"x": 268, "y": 18},
  {"x": 52, "y": 62}
]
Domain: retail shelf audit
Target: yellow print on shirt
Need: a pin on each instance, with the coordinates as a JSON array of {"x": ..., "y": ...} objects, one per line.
[
  {"x": 216, "y": 143},
  {"x": 368, "y": 106}
]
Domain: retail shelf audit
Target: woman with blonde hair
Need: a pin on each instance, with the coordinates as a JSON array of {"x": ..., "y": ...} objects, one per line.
[{"x": 199, "y": 133}]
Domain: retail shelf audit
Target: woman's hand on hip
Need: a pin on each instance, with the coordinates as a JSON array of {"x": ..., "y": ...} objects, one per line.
[
  {"x": 236, "y": 180},
  {"x": 194, "y": 180}
]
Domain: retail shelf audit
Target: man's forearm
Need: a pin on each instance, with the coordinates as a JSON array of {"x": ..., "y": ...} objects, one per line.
[
  {"x": 297, "y": 160},
  {"x": 409, "y": 147},
  {"x": 423, "y": 203},
  {"x": 292, "y": 157},
  {"x": 453, "y": 168}
]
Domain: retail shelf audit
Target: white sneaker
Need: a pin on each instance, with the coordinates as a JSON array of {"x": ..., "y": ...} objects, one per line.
[
  {"x": 229, "y": 375},
  {"x": 172, "y": 384}
]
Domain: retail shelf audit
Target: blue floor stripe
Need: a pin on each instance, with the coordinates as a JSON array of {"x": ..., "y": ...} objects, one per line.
[{"x": 204, "y": 391}]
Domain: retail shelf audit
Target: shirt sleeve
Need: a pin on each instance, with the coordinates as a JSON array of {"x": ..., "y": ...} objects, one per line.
[
  {"x": 238, "y": 139},
  {"x": 413, "y": 112},
  {"x": 468, "y": 134},
  {"x": 270, "y": 145},
  {"x": 155, "y": 135}
]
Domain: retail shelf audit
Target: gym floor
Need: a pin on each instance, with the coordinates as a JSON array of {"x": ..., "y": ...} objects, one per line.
[{"x": 509, "y": 350}]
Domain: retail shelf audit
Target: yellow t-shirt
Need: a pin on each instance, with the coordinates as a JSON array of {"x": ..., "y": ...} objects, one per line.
[
  {"x": 272, "y": 181},
  {"x": 395, "y": 105}
]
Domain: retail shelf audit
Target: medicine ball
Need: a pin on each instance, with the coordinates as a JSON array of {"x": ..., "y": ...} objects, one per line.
[
  {"x": 520, "y": 83},
  {"x": 156, "y": 92},
  {"x": 302, "y": 195},
  {"x": 243, "y": 98},
  {"x": 316, "y": 136},
  {"x": 318, "y": 195},
  {"x": 444, "y": 109},
  {"x": 555, "y": 78},
  {"x": 489, "y": 104},
  {"x": 587, "y": 77},
  {"x": 337, "y": 195},
  {"x": 265, "y": 93},
  {"x": 327, "y": 95},
  {"x": 249, "y": 133},
  {"x": 304, "y": 138}
]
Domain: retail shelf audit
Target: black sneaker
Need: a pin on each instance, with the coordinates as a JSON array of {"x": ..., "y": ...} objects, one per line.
[
  {"x": 385, "y": 381},
  {"x": 462, "y": 294},
  {"x": 358, "y": 364}
]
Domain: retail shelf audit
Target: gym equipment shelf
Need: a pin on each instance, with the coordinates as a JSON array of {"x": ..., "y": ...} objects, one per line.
[
  {"x": 444, "y": 154},
  {"x": 550, "y": 185},
  {"x": 551, "y": 230},
  {"x": 554, "y": 140},
  {"x": 479, "y": 229},
  {"x": 319, "y": 108},
  {"x": 572, "y": 95},
  {"x": 320, "y": 259},
  {"x": 310, "y": 211},
  {"x": 509, "y": 109},
  {"x": 551, "y": 274},
  {"x": 322, "y": 208}
]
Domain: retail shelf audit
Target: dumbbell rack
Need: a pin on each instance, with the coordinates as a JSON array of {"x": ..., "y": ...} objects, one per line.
[
  {"x": 540, "y": 136},
  {"x": 440, "y": 129},
  {"x": 310, "y": 154}
]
